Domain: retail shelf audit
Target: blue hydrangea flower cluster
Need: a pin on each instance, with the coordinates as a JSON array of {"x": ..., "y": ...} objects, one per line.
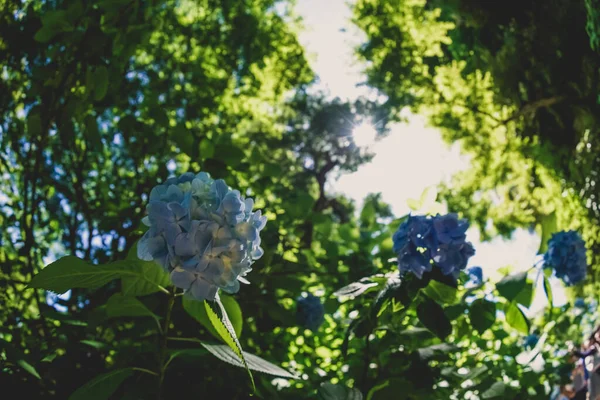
[
  {"x": 310, "y": 312},
  {"x": 566, "y": 255},
  {"x": 203, "y": 233},
  {"x": 422, "y": 242}
]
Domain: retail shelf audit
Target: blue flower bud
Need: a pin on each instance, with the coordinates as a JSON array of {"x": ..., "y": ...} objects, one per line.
[
  {"x": 580, "y": 303},
  {"x": 310, "y": 313},
  {"x": 475, "y": 275},
  {"x": 203, "y": 233},
  {"x": 566, "y": 255}
]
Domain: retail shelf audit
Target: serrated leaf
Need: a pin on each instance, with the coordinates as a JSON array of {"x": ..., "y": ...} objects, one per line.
[
  {"x": 255, "y": 363},
  {"x": 329, "y": 391},
  {"x": 102, "y": 386},
  {"x": 549, "y": 225},
  {"x": 482, "y": 314},
  {"x": 510, "y": 286},
  {"x": 355, "y": 288},
  {"x": 433, "y": 318},
  {"x": 516, "y": 318},
  {"x": 495, "y": 391},
  {"x": 225, "y": 330},
  {"x": 72, "y": 272},
  {"x": 196, "y": 309},
  {"x": 548, "y": 291},
  {"x": 441, "y": 293},
  {"x": 119, "y": 305},
  {"x": 100, "y": 83}
]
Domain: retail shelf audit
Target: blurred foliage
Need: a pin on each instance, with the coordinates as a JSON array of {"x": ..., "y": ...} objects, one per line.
[{"x": 519, "y": 94}]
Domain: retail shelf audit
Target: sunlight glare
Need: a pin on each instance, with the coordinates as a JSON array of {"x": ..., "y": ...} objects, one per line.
[{"x": 364, "y": 134}]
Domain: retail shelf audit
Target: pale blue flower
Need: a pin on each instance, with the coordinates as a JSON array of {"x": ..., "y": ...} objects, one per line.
[
  {"x": 475, "y": 275},
  {"x": 203, "y": 233}
]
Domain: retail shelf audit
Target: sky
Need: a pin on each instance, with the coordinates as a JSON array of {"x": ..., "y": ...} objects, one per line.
[{"x": 329, "y": 38}]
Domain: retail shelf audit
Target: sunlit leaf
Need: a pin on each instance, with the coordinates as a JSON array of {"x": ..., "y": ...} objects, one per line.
[{"x": 516, "y": 318}]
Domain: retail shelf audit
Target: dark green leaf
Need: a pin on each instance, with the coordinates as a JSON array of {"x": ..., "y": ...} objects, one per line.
[
  {"x": 433, "y": 318},
  {"x": 103, "y": 386},
  {"x": 148, "y": 278},
  {"x": 17, "y": 357},
  {"x": 482, "y": 314},
  {"x": 71, "y": 272},
  {"x": 525, "y": 296},
  {"x": 510, "y": 286},
  {"x": 100, "y": 83},
  {"x": 119, "y": 305},
  {"x": 329, "y": 391},
  {"x": 495, "y": 391}
]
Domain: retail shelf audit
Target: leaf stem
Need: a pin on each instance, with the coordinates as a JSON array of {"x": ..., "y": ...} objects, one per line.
[
  {"x": 163, "y": 346},
  {"x": 147, "y": 371}
]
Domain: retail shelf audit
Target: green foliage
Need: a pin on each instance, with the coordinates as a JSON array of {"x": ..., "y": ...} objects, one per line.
[
  {"x": 197, "y": 310},
  {"x": 103, "y": 386},
  {"x": 482, "y": 314}
]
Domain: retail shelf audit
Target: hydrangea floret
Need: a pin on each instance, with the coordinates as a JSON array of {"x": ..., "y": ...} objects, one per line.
[
  {"x": 422, "y": 242},
  {"x": 203, "y": 233},
  {"x": 310, "y": 312},
  {"x": 475, "y": 275},
  {"x": 566, "y": 256}
]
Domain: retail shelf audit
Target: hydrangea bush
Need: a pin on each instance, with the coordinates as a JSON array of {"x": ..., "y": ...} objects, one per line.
[
  {"x": 566, "y": 256},
  {"x": 422, "y": 242},
  {"x": 203, "y": 233}
]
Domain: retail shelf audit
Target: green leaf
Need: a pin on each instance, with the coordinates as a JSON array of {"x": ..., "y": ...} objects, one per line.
[
  {"x": 16, "y": 356},
  {"x": 148, "y": 276},
  {"x": 100, "y": 83},
  {"x": 102, "y": 386},
  {"x": 119, "y": 305},
  {"x": 329, "y": 391},
  {"x": 516, "y": 318},
  {"x": 183, "y": 138},
  {"x": 394, "y": 388},
  {"x": 34, "y": 123},
  {"x": 525, "y": 296},
  {"x": 207, "y": 148},
  {"x": 548, "y": 291},
  {"x": 549, "y": 225},
  {"x": 142, "y": 278},
  {"x": 197, "y": 310},
  {"x": 441, "y": 293},
  {"x": 72, "y": 272},
  {"x": 433, "y": 318},
  {"x": 230, "y": 154},
  {"x": 225, "y": 330},
  {"x": 45, "y": 34},
  {"x": 510, "y": 286},
  {"x": 482, "y": 314},
  {"x": 255, "y": 363},
  {"x": 496, "y": 390},
  {"x": 94, "y": 343}
]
